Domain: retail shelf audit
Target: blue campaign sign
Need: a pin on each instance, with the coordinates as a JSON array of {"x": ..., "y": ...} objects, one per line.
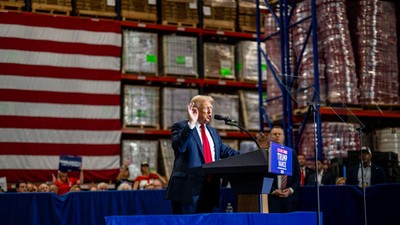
[
  {"x": 280, "y": 159},
  {"x": 70, "y": 163}
]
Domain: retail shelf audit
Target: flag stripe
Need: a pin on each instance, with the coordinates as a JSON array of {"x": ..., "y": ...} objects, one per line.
[
  {"x": 59, "y": 85},
  {"x": 17, "y": 148},
  {"x": 55, "y": 72},
  {"x": 71, "y": 23},
  {"x": 59, "y": 47},
  {"x": 59, "y": 59},
  {"x": 57, "y": 97},
  {"x": 59, "y": 123},
  {"x": 59, "y": 136},
  {"x": 58, "y": 110}
]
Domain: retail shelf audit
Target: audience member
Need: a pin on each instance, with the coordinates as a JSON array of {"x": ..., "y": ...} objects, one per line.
[
  {"x": 324, "y": 177},
  {"x": 93, "y": 188},
  {"x": 341, "y": 181},
  {"x": 102, "y": 186},
  {"x": 123, "y": 175},
  {"x": 43, "y": 187},
  {"x": 21, "y": 186},
  {"x": 189, "y": 189},
  {"x": 124, "y": 187},
  {"x": 305, "y": 171},
  {"x": 31, "y": 187},
  {"x": 284, "y": 191},
  {"x": 75, "y": 188},
  {"x": 146, "y": 177},
  {"x": 53, "y": 188},
  {"x": 155, "y": 185},
  {"x": 64, "y": 183},
  {"x": 366, "y": 171}
]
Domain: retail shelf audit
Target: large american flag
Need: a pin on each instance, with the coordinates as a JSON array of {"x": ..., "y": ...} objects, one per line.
[{"x": 59, "y": 95}]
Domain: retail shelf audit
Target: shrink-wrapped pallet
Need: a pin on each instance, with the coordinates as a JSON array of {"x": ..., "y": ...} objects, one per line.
[
  {"x": 250, "y": 109},
  {"x": 305, "y": 78},
  {"x": 219, "y": 60},
  {"x": 225, "y": 105},
  {"x": 141, "y": 106},
  {"x": 338, "y": 52},
  {"x": 137, "y": 151},
  {"x": 373, "y": 25},
  {"x": 338, "y": 139},
  {"x": 140, "y": 51},
  {"x": 247, "y": 61},
  {"x": 387, "y": 139},
  {"x": 273, "y": 51},
  {"x": 180, "y": 55},
  {"x": 175, "y": 101}
]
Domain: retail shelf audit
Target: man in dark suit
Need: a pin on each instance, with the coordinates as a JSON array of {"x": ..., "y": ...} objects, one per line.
[
  {"x": 324, "y": 177},
  {"x": 284, "y": 199},
  {"x": 305, "y": 171},
  {"x": 189, "y": 188},
  {"x": 367, "y": 171}
]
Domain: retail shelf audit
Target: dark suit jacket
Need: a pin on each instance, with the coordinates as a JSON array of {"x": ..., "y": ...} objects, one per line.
[
  {"x": 187, "y": 178},
  {"x": 378, "y": 175},
  {"x": 278, "y": 204},
  {"x": 327, "y": 179},
  {"x": 308, "y": 171}
]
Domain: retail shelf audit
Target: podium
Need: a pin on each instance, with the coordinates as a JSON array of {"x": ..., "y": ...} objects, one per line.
[{"x": 247, "y": 174}]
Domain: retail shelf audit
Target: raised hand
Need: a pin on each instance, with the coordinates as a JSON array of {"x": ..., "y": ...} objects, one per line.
[{"x": 193, "y": 113}]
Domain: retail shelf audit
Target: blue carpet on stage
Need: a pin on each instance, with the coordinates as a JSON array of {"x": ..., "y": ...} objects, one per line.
[{"x": 295, "y": 218}]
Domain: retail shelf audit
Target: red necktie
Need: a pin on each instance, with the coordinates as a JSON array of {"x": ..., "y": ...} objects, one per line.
[
  {"x": 206, "y": 145},
  {"x": 302, "y": 177}
]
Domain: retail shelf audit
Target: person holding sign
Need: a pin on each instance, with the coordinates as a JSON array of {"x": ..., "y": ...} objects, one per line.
[
  {"x": 283, "y": 196},
  {"x": 64, "y": 182}
]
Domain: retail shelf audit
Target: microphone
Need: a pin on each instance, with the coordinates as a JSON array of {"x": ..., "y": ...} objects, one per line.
[{"x": 224, "y": 118}]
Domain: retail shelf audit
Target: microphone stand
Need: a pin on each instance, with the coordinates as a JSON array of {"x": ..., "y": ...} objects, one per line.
[{"x": 362, "y": 178}]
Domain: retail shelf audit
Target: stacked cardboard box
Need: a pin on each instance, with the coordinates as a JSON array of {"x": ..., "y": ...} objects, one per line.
[
  {"x": 219, "y": 14},
  {"x": 139, "y": 10},
  {"x": 95, "y": 8},
  {"x": 180, "y": 13}
]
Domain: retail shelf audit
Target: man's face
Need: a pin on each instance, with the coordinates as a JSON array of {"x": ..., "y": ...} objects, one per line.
[
  {"x": 277, "y": 136},
  {"x": 366, "y": 157},
  {"x": 302, "y": 160},
  {"x": 205, "y": 112},
  {"x": 22, "y": 188}
]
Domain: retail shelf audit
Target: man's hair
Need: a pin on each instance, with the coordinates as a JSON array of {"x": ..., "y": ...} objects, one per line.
[
  {"x": 276, "y": 127},
  {"x": 20, "y": 182},
  {"x": 198, "y": 100}
]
